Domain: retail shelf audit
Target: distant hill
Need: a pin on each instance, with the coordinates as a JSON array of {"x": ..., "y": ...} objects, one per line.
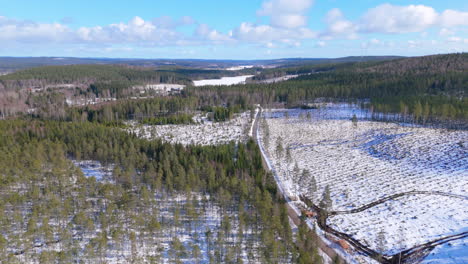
[
  {"x": 10, "y": 64},
  {"x": 457, "y": 62}
]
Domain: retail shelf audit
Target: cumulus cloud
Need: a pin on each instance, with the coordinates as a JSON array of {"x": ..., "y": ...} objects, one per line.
[
  {"x": 136, "y": 30},
  {"x": 453, "y": 18},
  {"x": 287, "y": 27},
  {"x": 28, "y": 31},
  {"x": 265, "y": 33},
  {"x": 205, "y": 32},
  {"x": 286, "y": 13},
  {"x": 392, "y": 19},
  {"x": 387, "y": 18},
  {"x": 338, "y": 26}
]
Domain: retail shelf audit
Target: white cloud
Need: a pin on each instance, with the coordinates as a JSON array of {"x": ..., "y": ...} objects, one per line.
[
  {"x": 453, "y": 18},
  {"x": 387, "y": 18},
  {"x": 265, "y": 33},
  {"x": 392, "y": 19},
  {"x": 287, "y": 28},
  {"x": 206, "y": 33},
  {"x": 136, "y": 30},
  {"x": 338, "y": 26},
  {"x": 457, "y": 40},
  {"x": 446, "y": 32},
  {"x": 286, "y": 13},
  {"x": 413, "y": 44},
  {"x": 28, "y": 31},
  {"x": 320, "y": 44}
]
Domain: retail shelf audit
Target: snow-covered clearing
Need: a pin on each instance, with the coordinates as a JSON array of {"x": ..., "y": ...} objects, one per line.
[
  {"x": 366, "y": 161},
  {"x": 240, "y": 67},
  {"x": 93, "y": 168},
  {"x": 280, "y": 79},
  {"x": 223, "y": 81},
  {"x": 204, "y": 132}
]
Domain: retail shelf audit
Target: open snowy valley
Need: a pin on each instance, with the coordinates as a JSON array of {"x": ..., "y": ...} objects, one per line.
[{"x": 392, "y": 186}]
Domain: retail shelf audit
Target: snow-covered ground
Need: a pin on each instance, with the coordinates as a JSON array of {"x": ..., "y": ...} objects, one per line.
[
  {"x": 365, "y": 161},
  {"x": 223, "y": 81},
  {"x": 279, "y": 79},
  {"x": 93, "y": 168},
  {"x": 195, "y": 220},
  {"x": 204, "y": 132},
  {"x": 240, "y": 67}
]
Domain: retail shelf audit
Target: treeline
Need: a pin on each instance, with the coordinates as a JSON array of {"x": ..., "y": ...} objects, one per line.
[
  {"x": 423, "y": 109},
  {"x": 156, "y": 111},
  {"x": 57, "y": 203},
  {"x": 115, "y": 81},
  {"x": 158, "y": 107},
  {"x": 298, "y": 70},
  {"x": 221, "y": 113},
  {"x": 97, "y": 73}
]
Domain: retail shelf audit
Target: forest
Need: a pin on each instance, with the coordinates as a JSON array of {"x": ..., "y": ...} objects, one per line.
[
  {"x": 432, "y": 87},
  {"x": 46, "y": 200}
]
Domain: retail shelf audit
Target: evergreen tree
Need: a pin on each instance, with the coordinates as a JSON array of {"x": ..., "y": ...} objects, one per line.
[{"x": 326, "y": 202}]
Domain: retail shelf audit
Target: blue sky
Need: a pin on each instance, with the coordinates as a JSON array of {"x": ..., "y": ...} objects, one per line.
[{"x": 241, "y": 29}]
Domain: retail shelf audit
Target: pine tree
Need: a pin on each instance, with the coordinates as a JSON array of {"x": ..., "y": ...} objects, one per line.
[
  {"x": 279, "y": 147},
  {"x": 326, "y": 202}
]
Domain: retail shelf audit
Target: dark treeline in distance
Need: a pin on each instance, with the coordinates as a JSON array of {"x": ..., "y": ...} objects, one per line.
[{"x": 430, "y": 88}]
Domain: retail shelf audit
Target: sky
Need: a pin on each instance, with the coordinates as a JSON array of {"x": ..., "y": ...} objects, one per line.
[{"x": 225, "y": 29}]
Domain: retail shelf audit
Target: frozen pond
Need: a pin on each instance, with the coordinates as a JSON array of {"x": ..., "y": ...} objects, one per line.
[{"x": 223, "y": 81}]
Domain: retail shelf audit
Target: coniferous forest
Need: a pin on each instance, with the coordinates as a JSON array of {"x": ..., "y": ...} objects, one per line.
[{"x": 174, "y": 202}]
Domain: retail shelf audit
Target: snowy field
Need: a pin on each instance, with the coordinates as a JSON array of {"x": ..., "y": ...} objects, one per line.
[
  {"x": 223, "y": 81},
  {"x": 366, "y": 161},
  {"x": 204, "y": 132}
]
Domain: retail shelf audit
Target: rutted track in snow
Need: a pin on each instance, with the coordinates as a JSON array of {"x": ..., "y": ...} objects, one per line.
[
  {"x": 412, "y": 255},
  {"x": 395, "y": 196}
]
